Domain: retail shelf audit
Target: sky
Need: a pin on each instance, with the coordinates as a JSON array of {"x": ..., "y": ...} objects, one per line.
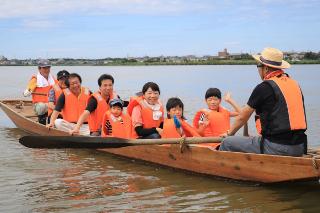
[{"x": 136, "y": 28}]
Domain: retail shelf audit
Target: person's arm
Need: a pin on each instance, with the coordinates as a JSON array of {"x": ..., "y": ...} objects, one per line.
[
  {"x": 235, "y": 106},
  {"x": 57, "y": 109},
  {"x": 32, "y": 84},
  {"x": 241, "y": 119},
  {"x": 51, "y": 99},
  {"x": 54, "y": 117},
  {"x": 83, "y": 117},
  {"x": 200, "y": 122},
  {"x": 92, "y": 106},
  {"x": 143, "y": 132}
]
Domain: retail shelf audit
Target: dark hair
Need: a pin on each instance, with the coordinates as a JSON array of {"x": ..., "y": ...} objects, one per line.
[
  {"x": 72, "y": 75},
  {"x": 75, "y": 75},
  {"x": 213, "y": 92},
  {"x": 105, "y": 77},
  {"x": 172, "y": 103},
  {"x": 151, "y": 85}
]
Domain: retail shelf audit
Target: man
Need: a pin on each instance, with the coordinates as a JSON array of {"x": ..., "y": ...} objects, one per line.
[
  {"x": 39, "y": 86},
  {"x": 56, "y": 91},
  {"x": 278, "y": 100},
  {"x": 72, "y": 103},
  {"x": 98, "y": 104}
]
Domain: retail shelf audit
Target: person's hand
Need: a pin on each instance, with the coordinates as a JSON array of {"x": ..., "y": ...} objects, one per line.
[
  {"x": 226, "y": 134},
  {"x": 205, "y": 122},
  {"x": 176, "y": 122},
  {"x": 75, "y": 131},
  {"x": 227, "y": 97},
  {"x": 159, "y": 130},
  {"x": 27, "y": 93},
  {"x": 49, "y": 125}
]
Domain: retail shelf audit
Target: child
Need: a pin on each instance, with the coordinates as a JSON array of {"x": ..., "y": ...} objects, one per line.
[
  {"x": 115, "y": 123},
  {"x": 175, "y": 125},
  {"x": 215, "y": 120}
]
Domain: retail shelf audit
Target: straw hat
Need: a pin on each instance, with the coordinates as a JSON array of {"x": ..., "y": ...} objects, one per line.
[{"x": 272, "y": 57}]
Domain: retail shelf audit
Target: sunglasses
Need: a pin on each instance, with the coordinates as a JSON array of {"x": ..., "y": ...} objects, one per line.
[{"x": 259, "y": 65}]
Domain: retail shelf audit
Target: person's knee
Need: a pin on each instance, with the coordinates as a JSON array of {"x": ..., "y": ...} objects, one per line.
[
  {"x": 58, "y": 123},
  {"x": 225, "y": 144},
  {"x": 40, "y": 108}
]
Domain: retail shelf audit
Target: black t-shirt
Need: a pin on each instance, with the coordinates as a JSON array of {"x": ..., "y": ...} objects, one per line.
[
  {"x": 263, "y": 99},
  {"x": 93, "y": 103},
  {"x": 60, "y": 103}
]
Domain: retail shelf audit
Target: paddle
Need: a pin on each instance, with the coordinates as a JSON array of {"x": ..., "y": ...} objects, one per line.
[{"x": 58, "y": 142}]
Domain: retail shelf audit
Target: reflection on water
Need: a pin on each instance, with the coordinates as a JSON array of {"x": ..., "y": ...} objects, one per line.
[{"x": 68, "y": 180}]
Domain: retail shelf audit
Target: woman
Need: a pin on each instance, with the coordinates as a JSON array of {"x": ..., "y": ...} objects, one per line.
[{"x": 146, "y": 112}]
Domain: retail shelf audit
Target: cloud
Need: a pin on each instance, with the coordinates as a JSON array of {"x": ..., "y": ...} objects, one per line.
[
  {"x": 36, "y": 8},
  {"x": 40, "y": 24}
]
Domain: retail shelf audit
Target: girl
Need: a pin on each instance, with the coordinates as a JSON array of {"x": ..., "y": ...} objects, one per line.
[{"x": 175, "y": 125}]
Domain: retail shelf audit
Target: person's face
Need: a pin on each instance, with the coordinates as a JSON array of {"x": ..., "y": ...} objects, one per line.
[
  {"x": 176, "y": 111},
  {"x": 116, "y": 111},
  {"x": 44, "y": 71},
  {"x": 62, "y": 82},
  {"x": 261, "y": 70},
  {"x": 106, "y": 87},
  {"x": 213, "y": 103},
  {"x": 74, "y": 85},
  {"x": 151, "y": 96}
]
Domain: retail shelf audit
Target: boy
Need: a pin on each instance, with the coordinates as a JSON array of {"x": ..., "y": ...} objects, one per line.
[
  {"x": 115, "y": 123},
  {"x": 215, "y": 120}
]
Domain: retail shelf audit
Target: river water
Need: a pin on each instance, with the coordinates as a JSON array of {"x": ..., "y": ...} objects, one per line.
[{"x": 91, "y": 181}]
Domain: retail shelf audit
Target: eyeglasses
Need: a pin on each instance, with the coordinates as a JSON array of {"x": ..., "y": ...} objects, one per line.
[{"x": 259, "y": 65}]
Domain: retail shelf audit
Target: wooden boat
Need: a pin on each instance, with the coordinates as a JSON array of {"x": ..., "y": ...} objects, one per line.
[{"x": 239, "y": 166}]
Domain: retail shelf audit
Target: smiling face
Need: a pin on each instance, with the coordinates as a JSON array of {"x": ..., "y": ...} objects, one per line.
[
  {"x": 213, "y": 103},
  {"x": 151, "y": 96},
  {"x": 44, "y": 71},
  {"x": 176, "y": 111},
  {"x": 116, "y": 110},
  {"x": 62, "y": 82},
  {"x": 106, "y": 87},
  {"x": 75, "y": 85}
]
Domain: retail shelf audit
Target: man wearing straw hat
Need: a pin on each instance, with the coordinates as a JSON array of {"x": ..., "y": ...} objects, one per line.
[{"x": 278, "y": 100}]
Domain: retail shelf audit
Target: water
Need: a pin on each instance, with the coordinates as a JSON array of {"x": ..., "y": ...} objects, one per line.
[{"x": 91, "y": 181}]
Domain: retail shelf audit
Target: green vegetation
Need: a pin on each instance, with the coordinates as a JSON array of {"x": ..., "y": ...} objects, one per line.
[{"x": 235, "y": 59}]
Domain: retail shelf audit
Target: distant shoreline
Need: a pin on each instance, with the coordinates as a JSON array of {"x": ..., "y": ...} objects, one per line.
[{"x": 135, "y": 63}]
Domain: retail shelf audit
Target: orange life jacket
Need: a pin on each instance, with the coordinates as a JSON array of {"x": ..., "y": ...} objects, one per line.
[
  {"x": 57, "y": 93},
  {"x": 170, "y": 130},
  {"x": 146, "y": 112},
  {"x": 43, "y": 90},
  {"x": 74, "y": 106},
  {"x": 219, "y": 122},
  {"x": 121, "y": 129},
  {"x": 95, "y": 117},
  {"x": 288, "y": 113},
  {"x": 258, "y": 123}
]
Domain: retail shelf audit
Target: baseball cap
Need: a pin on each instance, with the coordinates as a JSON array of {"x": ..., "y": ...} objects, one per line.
[
  {"x": 116, "y": 102},
  {"x": 44, "y": 63},
  {"x": 62, "y": 74}
]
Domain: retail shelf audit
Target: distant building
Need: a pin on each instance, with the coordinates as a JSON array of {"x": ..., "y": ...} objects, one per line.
[{"x": 223, "y": 54}]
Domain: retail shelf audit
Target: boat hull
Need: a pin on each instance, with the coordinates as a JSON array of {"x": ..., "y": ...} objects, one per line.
[{"x": 239, "y": 166}]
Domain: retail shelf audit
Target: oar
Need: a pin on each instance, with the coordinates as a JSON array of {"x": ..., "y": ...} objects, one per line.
[{"x": 57, "y": 142}]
